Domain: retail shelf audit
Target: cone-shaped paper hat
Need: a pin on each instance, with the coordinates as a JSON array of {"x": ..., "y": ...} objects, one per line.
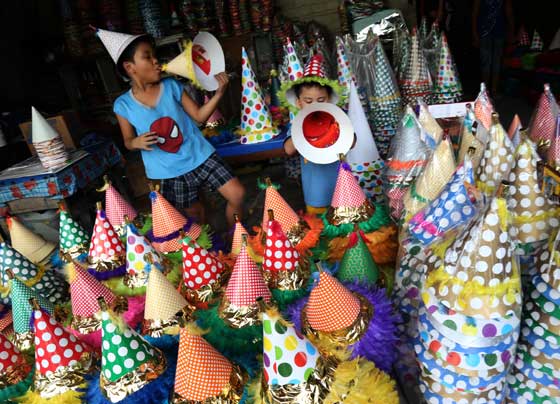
[
  {"x": 555, "y": 44},
  {"x": 202, "y": 372},
  {"x": 429, "y": 125},
  {"x": 256, "y": 121},
  {"x": 533, "y": 215},
  {"x": 283, "y": 213},
  {"x": 216, "y": 119},
  {"x": 548, "y": 281},
  {"x": 543, "y": 122},
  {"x": 167, "y": 223},
  {"x": 246, "y": 283},
  {"x": 200, "y": 268},
  {"x": 163, "y": 301},
  {"x": 288, "y": 356},
  {"x": 497, "y": 160},
  {"x": 295, "y": 67},
  {"x": 280, "y": 254},
  {"x": 432, "y": 180},
  {"x": 514, "y": 127},
  {"x": 471, "y": 145},
  {"x": 41, "y": 130},
  {"x": 523, "y": 37},
  {"x": 347, "y": 192},
  {"x": 73, "y": 238},
  {"x": 115, "y": 42},
  {"x": 483, "y": 107},
  {"x": 480, "y": 276},
  {"x": 29, "y": 244},
  {"x": 14, "y": 368},
  {"x": 21, "y": 308},
  {"x": 138, "y": 248},
  {"x": 344, "y": 71},
  {"x": 447, "y": 86},
  {"x": 423, "y": 29},
  {"x": 536, "y": 43},
  {"x": 116, "y": 207},
  {"x": 364, "y": 150},
  {"x": 107, "y": 254},
  {"x": 237, "y": 240},
  {"x": 84, "y": 292},
  {"x": 331, "y": 307},
  {"x": 415, "y": 81},
  {"x": 357, "y": 263},
  {"x": 553, "y": 153}
]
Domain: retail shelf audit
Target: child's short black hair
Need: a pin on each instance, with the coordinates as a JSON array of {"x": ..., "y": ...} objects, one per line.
[
  {"x": 311, "y": 84},
  {"x": 128, "y": 53}
]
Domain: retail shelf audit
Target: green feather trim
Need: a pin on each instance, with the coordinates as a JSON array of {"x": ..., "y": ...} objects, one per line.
[
  {"x": 16, "y": 390},
  {"x": 321, "y": 250},
  {"x": 205, "y": 239},
  {"x": 231, "y": 342},
  {"x": 379, "y": 219},
  {"x": 263, "y": 185},
  {"x": 175, "y": 275},
  {"x": 284, "y": 298},
  {"x": 119, "y": 288},
  {"x": 147, "y": 225},
  {"x": 333, "y": 84}
]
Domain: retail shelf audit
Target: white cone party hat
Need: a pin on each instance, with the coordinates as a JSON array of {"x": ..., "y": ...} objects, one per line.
[
  {"x": 115, "y": 42},
  {"x": 41, "y": 130}
]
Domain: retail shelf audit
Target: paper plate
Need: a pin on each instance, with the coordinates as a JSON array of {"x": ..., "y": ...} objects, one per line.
[
  {"x": 321, "y": 132},
  {"x": 208, "y": 60}
]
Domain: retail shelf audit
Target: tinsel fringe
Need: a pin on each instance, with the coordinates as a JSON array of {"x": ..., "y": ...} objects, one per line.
[
  {"x": 382, "y": 244},
  {"x": 312, "y": 236},
  {"x": 379, "y": 219},
  {"x": 18, "y": 389},
  {"x": 70, "y": 397}
]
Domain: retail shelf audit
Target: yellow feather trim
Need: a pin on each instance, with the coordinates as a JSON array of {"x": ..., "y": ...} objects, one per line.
[
  {"x": 522, "y": 219},
  {"x": 70, "y": 270},
  {"x": 70, "y": 397},
  {"x": 255, "y": 391}
]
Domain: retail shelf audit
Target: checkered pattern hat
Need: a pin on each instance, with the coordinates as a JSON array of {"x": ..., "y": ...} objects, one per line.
[
  {"x": 523, "y": 37},
  {"x": 483, "y": 107},
  {"x": 542, "y": 127},
  {"x": 347, "y": 191},
  {"x": 117, "y": 207},
  {"x": 237, "y": 240},
  {"x": 163, "y": 300},
  {"x": 537, "y": 43},
  {"x": 283, "y": 213},
  {"x": 84, "y": 291},
  {"x": 21, "y": 309}
]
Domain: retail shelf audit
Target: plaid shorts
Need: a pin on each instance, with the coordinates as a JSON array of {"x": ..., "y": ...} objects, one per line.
[{"x": 182, "y": 191}]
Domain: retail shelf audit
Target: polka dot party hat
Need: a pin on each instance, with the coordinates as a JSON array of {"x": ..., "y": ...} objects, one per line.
[
  {"x": 107, "y": 254},
  {"x": 497, "y": 160},
  {"x": 537, "y": 43},
  {"x": 116, "y": 207},
  {"x": 14, "y": 370},
  {"x": 415, "y": 81},
  {"x": 357, "y": 263},
  {"x": 483, "y": 108},
  {"x": 283, "y": 213},
  {"x": 138, "y": 248},
  {"x": 331, "y": 307},
  {"x": 534, "y": 217},
  {"x": 29, "y": 244},
  {"x": 256, "y": 121},
  {"x": 542, "y": 126},
  {"x": 73, "y": 238},
  {"x": 280, "y": 254},
  {"x": 203, "y": 374},
  {"x": 295, "y": 67},
  {"x": 289, "y": 358},
  {"x": 447, "y": 86},
  {"x": 200, "y": 267},
  {"x": 480, "y": 275},
  {"x": 167, "y": 224},
  {"x": 124, "y": 353},
  {"x": 547, "y": 281},
  {"x": 344, "y": 70},
  {"x": 58, "y": 354}
]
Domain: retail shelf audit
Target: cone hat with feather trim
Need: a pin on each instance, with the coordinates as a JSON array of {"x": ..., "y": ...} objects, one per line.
[
  {"x": 348, "y": 318},
  {"x": 497, "y": 160},
  {"x": 534, "y": 217},
  {"x": 62, "y": 362},
  {"x": 132, "y": 371},
  {"x": 29, "y": 244},
  {"x": 256, "y": 120},
  {"x": 537, "y": 44},
  {"x": 15, "y": 372},
  {"x": 116, "y": 207},
  {"x": 203, "y": 273},
  {"x": 163, "y": 303},
  {"x": 204, "y": 375},
  {"x": 73, "y": 238},
  {"x": 483, "y": 108},
  {"x": 542, "y": 126},
  {"x": 107, "y": 254},
  {"x": 357, "y": 263},
  {"x": 138, "y": 248},
  {"x": 167, "y": 224}
]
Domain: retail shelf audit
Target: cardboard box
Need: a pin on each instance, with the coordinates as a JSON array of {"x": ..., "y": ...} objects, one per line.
[{"x": 67, "y": 124}]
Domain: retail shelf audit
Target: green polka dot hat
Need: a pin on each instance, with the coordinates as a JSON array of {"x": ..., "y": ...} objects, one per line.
[
  {"x": 21, "y": 308},
  {"x": 73, "y": 238}
]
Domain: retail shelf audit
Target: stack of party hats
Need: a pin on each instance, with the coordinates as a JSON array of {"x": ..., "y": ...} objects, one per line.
[
  {"x": 294, "y": 66},
  {"x": 483, "y": 107},
  {"x": 107, "y": 254},
  {"x": 431, "y": 46},
  {"x": 415, "y": 81},
  {"x": 497, "y": 160},
  {"x": 429, "y": 125},
  {"x": 256, "y": 121},
  {"x": 542, "y": 126},
  {"x": 537, "y": 43},
  {"x": 116, "y": 207},
  {"x": 407, "y": 158},
  {"x": 447, "y": 86},
  {"x": 535, "y": 374},
  {"x": 15, "y": 372},
  {"x": 344, "y": 71},
  {"x": 363, "y": 158},
  {"x": 47, "y": 142},
  {"x": 73, "y": 238},
  {"x": 29, "y": 244},
  {"x": 469, "y": 320}
]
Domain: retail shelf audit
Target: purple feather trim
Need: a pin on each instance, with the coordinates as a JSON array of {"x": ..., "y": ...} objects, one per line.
[
  {"x": 345, "y": 166},
  {"x": 5, "y": 310},
  {"x": 172, "y": 236},
  {"x": 103, "y": 276},
  {"x": 294, "y": 312},
  {"x": 102, "y": 214},
  {"x": 153, "y": 196},
  {"x": 218, "y": 244}
]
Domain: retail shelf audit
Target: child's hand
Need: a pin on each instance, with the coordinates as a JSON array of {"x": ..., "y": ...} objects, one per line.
[
  {"x": 223, "y": 80},
  {"x": 144, "y": 141}
]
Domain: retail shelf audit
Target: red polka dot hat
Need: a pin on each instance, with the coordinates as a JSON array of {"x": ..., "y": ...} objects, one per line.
[{"x": 15, "y": 371}]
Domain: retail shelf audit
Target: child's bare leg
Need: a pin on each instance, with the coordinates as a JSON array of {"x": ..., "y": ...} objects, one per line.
[
  {"x": 234, "y": 193},
  {"x": 197, "y": 212}
]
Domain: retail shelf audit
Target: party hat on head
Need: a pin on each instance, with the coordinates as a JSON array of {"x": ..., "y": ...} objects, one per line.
[
  {"x": 61, "y": 361},
  {"x": 415, "y": 81},
  {"x": 167, "y": 224},
  {"x": 364, "y": 158},
  {"x": 73, "y": 238},
  {"x": 542, "y": 126},
  {"x": 125, "y": 355},
  {"x": 483, "y": 107},
  {"x": 537, "y": 43},
  {"x": 523, "y": 37},
  {"x": 432, "y": 180},
  {"x": 295, "y": 67},
  {"x": 344, "y": 71},
  {"x": 357, "y": 263},
  {"x": 107, "y": 254},
  {"x": 115, "y": 42},
  {"x": 41, "y": 130},
  {"x": 497, "y": 160},
  {"x": 555, "y": 44},
  {"x": 256, "y": 121},
  {"x": 163, "y": 302},
  {"x": 533, "y": 215},
  {"x": 204, "y": 374},
  {"x": 116, "y": 207},
  {"x": 29, "y": 244},
  {"x": 237, "y": 239},
  {"x": 15, "y": 371},
  {"x": 137, "y": 262},
  {"x": 447, "y": 86}
]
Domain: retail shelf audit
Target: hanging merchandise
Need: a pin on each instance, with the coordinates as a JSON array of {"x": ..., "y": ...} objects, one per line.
[
  {"x": 344, "y": 71},
  {"x": 542, "y": 126},
  {"x": 431, "y": 46},
  {"x": 187, "y": 11},
  {"x": 537, "y": 43},
  {"x": 414, "y": 80},
  {"x": 244, "y": 17},
  {"x": 134, "y": 22},
  {"x": 523, "y": 39},
  {"x": 483, "y": 107},
  {"x": 423, "y": 29},
  {"x": 47, "y": 142},
  {"x": 447, "y": 86},
  {"x": 401, "y": 49},
  {"x": 152, "y": 16},
  {"x": 222, "y": 16}
]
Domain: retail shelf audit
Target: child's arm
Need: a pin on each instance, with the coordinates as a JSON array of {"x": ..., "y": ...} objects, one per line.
[
  {"x": 289, "y": 147},
  {"x": 202, "y": 113},
  {"x": 133, "y": 142}
]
